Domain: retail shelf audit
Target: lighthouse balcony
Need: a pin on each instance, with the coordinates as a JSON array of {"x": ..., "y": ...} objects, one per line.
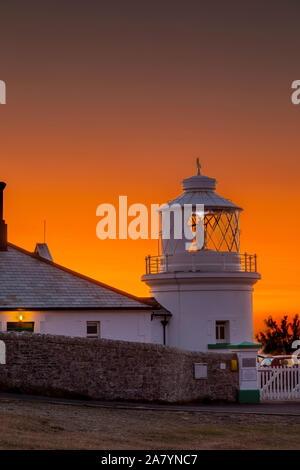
[{"x": 201, "y": 261}]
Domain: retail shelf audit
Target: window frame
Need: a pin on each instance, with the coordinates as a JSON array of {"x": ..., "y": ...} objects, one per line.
[
  {"x": 220, "y": 324},
  {"x": 20, "y": 326},
  {"x": 93, "y": 323}
]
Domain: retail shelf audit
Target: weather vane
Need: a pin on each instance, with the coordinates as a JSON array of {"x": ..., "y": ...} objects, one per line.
[{"x": 198, "y": 165}]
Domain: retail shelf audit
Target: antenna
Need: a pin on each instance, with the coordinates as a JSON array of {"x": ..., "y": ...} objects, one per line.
[{"x": 198, "y": 166}]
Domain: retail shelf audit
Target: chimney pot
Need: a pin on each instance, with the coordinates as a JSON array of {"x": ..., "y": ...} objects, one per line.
[{"x": 3, "y": 226}]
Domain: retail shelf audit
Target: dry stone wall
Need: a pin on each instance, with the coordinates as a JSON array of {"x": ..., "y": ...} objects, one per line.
[{"x": 112, "y": 370}]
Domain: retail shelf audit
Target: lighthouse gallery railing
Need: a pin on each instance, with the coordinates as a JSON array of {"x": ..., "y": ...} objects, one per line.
[{"x": 160, "y": 264}]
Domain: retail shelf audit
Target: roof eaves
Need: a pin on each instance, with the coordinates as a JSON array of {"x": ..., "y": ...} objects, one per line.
[
  {"x": 3, "y": 308},
  {"x": 154, "y": 303}
]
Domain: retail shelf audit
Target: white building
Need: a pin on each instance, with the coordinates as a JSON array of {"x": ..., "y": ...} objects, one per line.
[
  {"x": 208, "y": 291},
  {"x": 201, "y": 300}
]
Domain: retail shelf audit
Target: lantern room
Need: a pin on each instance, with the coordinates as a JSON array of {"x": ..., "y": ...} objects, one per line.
[{"x": 218, "y": 216}]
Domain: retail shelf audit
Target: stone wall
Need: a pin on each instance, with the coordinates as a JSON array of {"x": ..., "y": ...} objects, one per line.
[{"x": 112, "y": 370}]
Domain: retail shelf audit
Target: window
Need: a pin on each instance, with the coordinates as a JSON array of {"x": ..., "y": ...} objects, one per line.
[
  {"x": 221, "y": 331},
  {"x": 20, "y": 326},
  {"x": 93, "y": 329}
]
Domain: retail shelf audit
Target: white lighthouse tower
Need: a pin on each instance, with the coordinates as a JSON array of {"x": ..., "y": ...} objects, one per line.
[{"x": 208, "y": 288}]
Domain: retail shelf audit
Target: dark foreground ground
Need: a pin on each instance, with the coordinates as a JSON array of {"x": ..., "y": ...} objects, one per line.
[{"x": 28, "y": 424}]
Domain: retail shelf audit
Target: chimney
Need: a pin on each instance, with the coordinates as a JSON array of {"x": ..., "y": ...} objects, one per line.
[{"x": 3, "y": 226}]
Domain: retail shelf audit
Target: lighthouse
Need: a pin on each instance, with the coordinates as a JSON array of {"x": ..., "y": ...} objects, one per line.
[{"x": 206, "y": 286}]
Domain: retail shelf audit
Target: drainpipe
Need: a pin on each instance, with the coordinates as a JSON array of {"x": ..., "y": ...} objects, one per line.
[{"x": 164, "y": 323}]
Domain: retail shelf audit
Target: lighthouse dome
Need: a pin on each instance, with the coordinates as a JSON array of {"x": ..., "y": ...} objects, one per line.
[{"x": 200, "y": 189}]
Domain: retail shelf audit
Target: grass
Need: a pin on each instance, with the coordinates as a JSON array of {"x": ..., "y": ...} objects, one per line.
[{"x": 33, "y": 425}]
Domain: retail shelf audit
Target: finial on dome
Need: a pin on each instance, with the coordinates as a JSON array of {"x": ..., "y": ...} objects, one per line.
[{"x": 198, "y": 166}]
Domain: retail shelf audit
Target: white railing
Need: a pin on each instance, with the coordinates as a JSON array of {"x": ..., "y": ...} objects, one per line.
[
  {"x": 249, "y": 263},
  {"x": 160, "y": 264},
  {"x": 279, "y": 383}
]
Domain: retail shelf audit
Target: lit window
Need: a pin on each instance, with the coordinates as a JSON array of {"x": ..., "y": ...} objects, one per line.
[
  {"x": 93, "y": 329},
  {"x": 20, "y": 326},
  {"x": 221, "y": 331}
]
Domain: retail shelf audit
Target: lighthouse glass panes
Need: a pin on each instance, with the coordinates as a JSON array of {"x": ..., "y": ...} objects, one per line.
[{"x": 221, "y": 230}]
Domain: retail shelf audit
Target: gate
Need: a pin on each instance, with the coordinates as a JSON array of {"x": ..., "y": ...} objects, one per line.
[{"x": 279, "y": 383}]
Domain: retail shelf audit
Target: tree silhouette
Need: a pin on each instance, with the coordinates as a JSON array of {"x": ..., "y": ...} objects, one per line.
[{"x": 278, "y": 338}]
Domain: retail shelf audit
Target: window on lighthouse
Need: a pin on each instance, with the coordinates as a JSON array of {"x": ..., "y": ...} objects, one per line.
[{"x": 222, "y": 331}]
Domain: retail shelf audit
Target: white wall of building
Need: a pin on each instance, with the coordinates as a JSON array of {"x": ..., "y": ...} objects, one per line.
[{"x": 120, "y": 325}]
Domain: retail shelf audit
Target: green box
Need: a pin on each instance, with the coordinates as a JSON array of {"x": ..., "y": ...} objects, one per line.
[{"x": 248, "y": 396}]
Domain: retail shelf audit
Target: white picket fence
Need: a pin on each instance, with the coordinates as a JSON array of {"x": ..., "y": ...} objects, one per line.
[{"x": 279, "y": 383}]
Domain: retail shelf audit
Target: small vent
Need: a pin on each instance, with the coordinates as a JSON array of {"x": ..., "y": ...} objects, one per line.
[
  {"x": 249, "y": 362},
  {"x": 200, "y": 371}
]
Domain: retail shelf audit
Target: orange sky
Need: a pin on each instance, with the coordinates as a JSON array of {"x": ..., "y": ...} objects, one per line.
[{"x": 116, "y": 100}]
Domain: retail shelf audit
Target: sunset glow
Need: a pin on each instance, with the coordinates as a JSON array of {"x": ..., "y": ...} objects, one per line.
[{"x": 102, "y": 105}]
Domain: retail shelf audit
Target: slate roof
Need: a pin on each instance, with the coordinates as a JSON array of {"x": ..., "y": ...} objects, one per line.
[{"x": 28, "y": 281}]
